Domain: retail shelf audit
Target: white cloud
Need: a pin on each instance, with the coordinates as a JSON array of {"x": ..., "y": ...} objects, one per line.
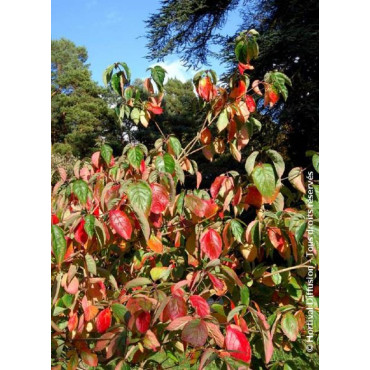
[{"x": 176, "y": 69}]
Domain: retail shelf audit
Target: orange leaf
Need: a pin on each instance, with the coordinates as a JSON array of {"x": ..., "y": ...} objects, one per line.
[{"x": 155, "y": 244}]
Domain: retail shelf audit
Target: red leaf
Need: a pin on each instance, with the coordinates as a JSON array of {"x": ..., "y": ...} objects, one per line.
[
  {"x": 195, "y": 333},
  {"x": 250, "y": 103},
  {"x": 237, "y": 341},
  {"x": 156, "y": 219},
  {"x": 211, "y": 244},
  {"x": 150, "y": 341},
  {"x": 103, "y": 320},
  {"x": 205, "y": 89},
  {"x": 243, "y": 67},
  {"x": 135, "y": 304},
  {"x": 176, "y": 289},
  {"x": 254, "y": 197},
  {"x": 62, "y": 173},
  {"x": 195, "y": 204},
  {"x": 154, "y": 108},
  {"x": 72, "y": 322},
  {"x": 160, "y": 198},
  {"x": 218, "y": 284},
  {"x": 72, "y": 287},
  {"x": 211, "y": 208},
  {"x": 199, "y": 179},
  {"x": 95, "y": 159},
  {"x": 179, "y": 323},
  {"x": 120, "y": 223},
  {"x": 237, "y": 197},
  {"x": 54, "y": 219},
  {"x": 143, "y": 321},
  {"x": 216, "y": 185},
  {"x": 200, "y": 304},
  {"x": 80, "y": 233},
  {"x": 215, "y": 333},
  {"x": 271, "y": 95},
  {"x": 276, "y": 238},
  {"x": 176, "y": 307},
  {"x": 239, "y": 89},
  {"x": 142, "y": 166},
  {"x": 89, "y": 358}
]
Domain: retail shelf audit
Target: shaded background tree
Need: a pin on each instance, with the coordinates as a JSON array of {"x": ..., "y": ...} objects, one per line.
[
  {"x": 288, "y": 41},
  {"x": 80, "y": 116}
]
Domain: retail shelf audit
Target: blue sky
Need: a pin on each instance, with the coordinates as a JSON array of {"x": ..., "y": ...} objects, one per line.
[{"x": 113, "y": 30}]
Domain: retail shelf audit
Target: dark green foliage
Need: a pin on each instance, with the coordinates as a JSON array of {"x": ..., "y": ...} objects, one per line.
[
  {"x": 186, "y": 27},
  {"x": 288, "y": 42}
]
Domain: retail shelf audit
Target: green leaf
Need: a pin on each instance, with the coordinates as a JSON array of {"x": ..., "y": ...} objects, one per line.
[
  {"x": 277, "y": 160},
  {"x": 116, "y": 83},
  {"x": 165, "y": 163},
  {"x": 106, "y": 152},
  {"x": 294, "y": 289},
  {"x": 135, "y": 155},
  {"x": 127, "y": 70},
  {"x": 158, "y": 74},
  {"x": 175, "y": 145},
  {"x": 135, "y": 115},
  {"x": 140, "y": 196},
  {"x": 81, "y": 190},
  {"x": 244, "y": 295},
  {"x": 128, "y": 93},
  {"x": 300, "y": 231},
  {"x": 143, "y": 221},
  {"x": 91, "y": 265},
  {"x": 276, "y": 278},
  {"x": 120, "y": 311},
  {"x": 315, "y": 162},
  {"x": 222, "y": 121},
  {"x": 138, "y": 282},
  {"x": 67, "y": 300},
  {"x": 241, "y": 51},
  {"x": 249, "y": 163},
  {"x": 234, "y": 312},
  {"x": 237, "y": 230},
  {"x": 264, "y": 178},
  {"x": 89, "y": 225},
  {"x": 289, "y": 325},
  {"x": 256, "y": 234},
  {"x": 157, "y": 273},
  {"x": 100, "y": 233},
  {"x": 107, "y": 74},
  {"x": 59, "y": 243},
  {"x": 252, "y": 49}
]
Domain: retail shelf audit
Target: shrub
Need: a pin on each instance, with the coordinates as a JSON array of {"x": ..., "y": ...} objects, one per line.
[{"x": 149, "y": 275}]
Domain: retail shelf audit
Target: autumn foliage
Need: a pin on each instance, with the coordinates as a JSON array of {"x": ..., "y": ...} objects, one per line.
[{"x": 149, "y": 275}]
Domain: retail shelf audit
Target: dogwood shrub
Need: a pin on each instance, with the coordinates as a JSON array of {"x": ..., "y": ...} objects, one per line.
[{"x": 149, "y": 275}]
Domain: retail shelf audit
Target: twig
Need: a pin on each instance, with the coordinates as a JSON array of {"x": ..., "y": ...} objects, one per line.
[
  {"x": 289, "y": 268},
  {"x": 155, "y": 122}
]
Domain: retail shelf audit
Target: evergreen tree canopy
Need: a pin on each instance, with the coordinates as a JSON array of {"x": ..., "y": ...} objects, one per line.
[{"x": 80, "y": 117}]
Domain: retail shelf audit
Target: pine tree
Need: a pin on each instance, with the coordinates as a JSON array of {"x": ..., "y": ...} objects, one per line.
[{"x": 80, "y": 117}]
